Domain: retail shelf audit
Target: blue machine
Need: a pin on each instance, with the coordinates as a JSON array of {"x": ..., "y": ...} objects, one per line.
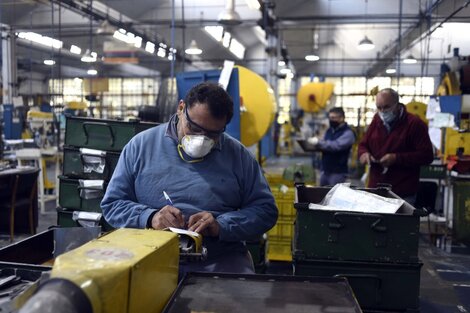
[
  {"x": 185, "y": 81},
  {"x": 13, "y": 120},
  {"x": 451, "y": 105}
]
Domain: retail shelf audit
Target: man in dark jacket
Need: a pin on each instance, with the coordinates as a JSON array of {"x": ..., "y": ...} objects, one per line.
[
  {"x": 395, "y": 145},
  {"x": 335, "y": 148}
]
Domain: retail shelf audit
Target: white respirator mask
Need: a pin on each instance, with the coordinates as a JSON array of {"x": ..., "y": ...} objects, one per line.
[{"x": 197, "y": 146}]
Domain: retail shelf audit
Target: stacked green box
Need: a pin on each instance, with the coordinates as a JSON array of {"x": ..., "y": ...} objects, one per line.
[
  {"x": 461, "y": 216},
  {"x": 378, "y": 253},
  {"x": 108, "y": 137}
]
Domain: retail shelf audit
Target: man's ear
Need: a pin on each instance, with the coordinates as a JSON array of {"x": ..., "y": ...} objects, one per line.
[{"x": 180, "y": 107}]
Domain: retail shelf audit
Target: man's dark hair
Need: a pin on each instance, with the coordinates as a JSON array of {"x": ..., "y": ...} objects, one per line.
[
  {"x": 392, "y": 93},
  {"x": 337, "y": 110},
  {"x": 217, "y": 99}
]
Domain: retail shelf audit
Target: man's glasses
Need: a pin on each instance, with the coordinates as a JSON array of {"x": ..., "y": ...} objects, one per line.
[{"x": 197, "y": 129}]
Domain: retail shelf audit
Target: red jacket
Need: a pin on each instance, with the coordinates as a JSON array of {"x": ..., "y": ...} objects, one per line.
[{"x": 409, "y": 140}]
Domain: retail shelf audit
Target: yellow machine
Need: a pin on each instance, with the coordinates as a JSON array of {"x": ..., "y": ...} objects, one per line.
[
  {"x": 455, "y": 143},
  {"x": 257, "y": 106},
  {"x": 113, "y": 274},
  {"x": 313, "y": 97},
  {"x": 449, "y": 85},
  {"x": 419, "y": 109}
]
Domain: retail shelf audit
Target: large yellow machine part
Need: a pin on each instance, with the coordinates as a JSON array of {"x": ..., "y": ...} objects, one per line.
[
  {"x": 449, "y": 85},
  {"x": 454, "y": 141},
  {"x": 257, "y": 106},
  {"x": 125, "y": 271},
  {"x": 419, "y": 109},
  {"x": 313, "y": 97}
]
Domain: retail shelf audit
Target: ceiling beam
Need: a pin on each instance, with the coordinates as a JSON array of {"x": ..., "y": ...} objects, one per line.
[{"x": 412, "y": 34}]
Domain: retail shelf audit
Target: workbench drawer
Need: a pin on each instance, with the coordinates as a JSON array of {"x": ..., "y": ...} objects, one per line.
[
  {"x": 100, "y": 134},
  {"x": 354, "y": 236},
  {"x": 377, "y": 286},
  {"x": 89, "y": 164},
  {"x": 74, "y": 197}
]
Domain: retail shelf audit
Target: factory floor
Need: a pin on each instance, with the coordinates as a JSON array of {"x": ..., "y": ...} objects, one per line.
[{"x": 445, "y": 275}]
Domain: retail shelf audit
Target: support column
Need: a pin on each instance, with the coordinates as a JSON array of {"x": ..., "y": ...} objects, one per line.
[{"x": 9, "y": 65}]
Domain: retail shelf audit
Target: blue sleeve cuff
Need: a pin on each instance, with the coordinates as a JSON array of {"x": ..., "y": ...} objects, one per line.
[{"x": 144, "y": 216}]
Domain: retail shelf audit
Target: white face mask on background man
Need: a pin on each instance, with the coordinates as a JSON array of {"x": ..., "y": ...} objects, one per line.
[
  {"x": 387, "y": 117},
  {"x": 197, "y": 146}
]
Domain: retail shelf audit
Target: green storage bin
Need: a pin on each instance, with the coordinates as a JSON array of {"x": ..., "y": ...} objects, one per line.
[
  {"x": 100, "y": 134},
  {"x": 433, "y": 171},
  {"x": 71, "y": 196},
  {"x": 461, "y": 214},
  {"x": 257, "y": 250},
  {"x": 341, "y": 235},
  {"x": 377, "y": 286},
  {"x": 65, "y": 219},
  {"x": 75, "y": 162}
]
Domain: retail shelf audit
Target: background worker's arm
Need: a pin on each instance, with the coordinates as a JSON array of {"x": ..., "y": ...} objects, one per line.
[{"x": 343, "y": 142}]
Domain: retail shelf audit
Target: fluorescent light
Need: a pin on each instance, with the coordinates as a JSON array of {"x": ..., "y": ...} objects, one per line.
[
  {"x": 89, "y": 57},
  {"x": 193, "y": 49},
  {"x": 75, "y": 49},
  {"x": 281, "y": 63},
  {"x": 49, "y": 62},
  {"x": 237, "y": 48},
  {"x": 410, "y": 60},
  {"x": 92, "y": 72},
  {"x": 390, "y": 71},
  {"x": 138, "y": 42},
  {"x": 285, "y": 71},
  {"x": 215, "y": 31},
  {"x": 150, "y": 47},
  {"x": 365, "y": 44},
  {"x": 226, "y": 39},
  {"x": 161, "y": 52},
  {"x": 40, "y": 39},
  {"x": 253, "y": 4},
  {"x": 312, "y": 57}
]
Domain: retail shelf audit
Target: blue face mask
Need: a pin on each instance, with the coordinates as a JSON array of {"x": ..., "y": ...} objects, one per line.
[{"x": 387, "y": 117}]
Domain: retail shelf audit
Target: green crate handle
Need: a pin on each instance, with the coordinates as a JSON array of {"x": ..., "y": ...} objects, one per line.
[
  {"x": 340, "y": 224},
  {"x": 106, "y": 125}
]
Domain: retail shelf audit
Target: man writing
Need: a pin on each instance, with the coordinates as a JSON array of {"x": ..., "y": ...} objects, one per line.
[
  {"x": 216, "y": 186},
  {"x": 395, "y": 145}
]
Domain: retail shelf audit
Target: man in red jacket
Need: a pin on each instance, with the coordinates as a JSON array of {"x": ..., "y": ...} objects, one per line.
[{"x": 395, "y": 145}]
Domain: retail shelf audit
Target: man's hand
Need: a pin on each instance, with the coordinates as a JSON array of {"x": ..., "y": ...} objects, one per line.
[
  {"x": 388, "y": 160},
  {"x": 168, "y": 216},
  {"x": 365, "y": 158},
  {"x": 204, "y": 223},
  {"x": 313, "y": 141}
]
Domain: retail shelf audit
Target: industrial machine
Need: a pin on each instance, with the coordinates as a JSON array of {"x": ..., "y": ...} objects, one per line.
[
  {"x": 112, "y": 274},
  {"x": 313, "y": 97}
]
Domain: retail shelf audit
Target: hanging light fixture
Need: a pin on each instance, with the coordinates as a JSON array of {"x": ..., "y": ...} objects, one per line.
[
  {"x": 313, "y": 56},
  {"x": 92, "y": 72},
  {"x": 410, "y": 60},
  {"x": 365, "y": 44},
  {"x": 49, "y": 62},
  {"x": 88, "y": 57},
  {"x": 390, "y": 71},
  {"x": 193, "y": 49},
  {"x": 229, "y": 16}
]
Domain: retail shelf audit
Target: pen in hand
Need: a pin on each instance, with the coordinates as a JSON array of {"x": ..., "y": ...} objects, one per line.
[{"x": 168, "y": 199}]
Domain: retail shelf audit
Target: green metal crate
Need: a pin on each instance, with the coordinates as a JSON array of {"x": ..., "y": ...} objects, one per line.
[
  {"x": 461, "y": 216},
  {"x": 65, "y": 219},
  {"x": 377, "y": 286},
  {"x": 110, "y": 135},
  {"x": 75, "y": 162},
  {"x": 71, "y": 197},
  {"x": 433, "y": 171},
  {"x": 340, "y": 235}
]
